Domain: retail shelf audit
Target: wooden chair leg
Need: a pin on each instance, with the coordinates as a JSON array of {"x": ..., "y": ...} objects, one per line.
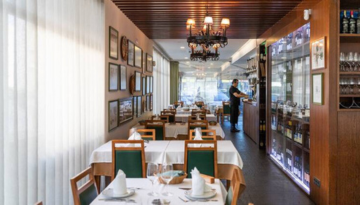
[
  {"x": 228, "y": 184},
  {"x": 97, "y": 182}
]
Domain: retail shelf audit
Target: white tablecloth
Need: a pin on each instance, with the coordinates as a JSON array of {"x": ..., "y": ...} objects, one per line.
[
  {"x": 172, "y": 152},
  {"x": 173, "y": 130},
  {"x": 184, "y": 117},
  {"x": 144, "y": 185},
  {"x": 154, "y": 150}
]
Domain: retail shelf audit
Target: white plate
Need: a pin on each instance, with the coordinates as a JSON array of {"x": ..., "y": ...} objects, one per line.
[
  {"x": 206, "y": 195},
  {"x": 109, "y": 193}
]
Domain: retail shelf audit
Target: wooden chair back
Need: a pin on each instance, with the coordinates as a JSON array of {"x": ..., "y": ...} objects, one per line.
[
  {"x": 170, "y": 114},
  {"x": 226, "y": 107},
  {"x": 237, "y": 187},
  {"x": 203, "y": 158},
  {"x": 192, "y": 124},
  {"x": 87, "y": 192},
  {"x": 194, "y": 112},
  {"x": 206, "y": 134},
  {"x": 162, "y": 117},
  {"x": 181, "y": 103},
  {"x": 158, "y": 126},
  {"x": 146, "y": 134},
  {"x": 201, "y": 116},
  {"x": 129, "y": 156}
]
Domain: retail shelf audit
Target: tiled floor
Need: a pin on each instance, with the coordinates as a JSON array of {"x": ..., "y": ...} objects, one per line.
[{"x": 266, "y": 184}]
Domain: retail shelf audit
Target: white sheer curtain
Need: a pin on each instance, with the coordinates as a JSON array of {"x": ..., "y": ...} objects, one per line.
[
  {"x": 161, "y": 83},
  {"x": 51, "y": 96}
]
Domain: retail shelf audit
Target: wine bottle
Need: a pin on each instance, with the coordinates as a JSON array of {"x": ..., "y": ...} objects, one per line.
[
  {"x": 358, "y": 22},
  {"x": 345, "y": 23},
  {"x": 352, "y": 23}
]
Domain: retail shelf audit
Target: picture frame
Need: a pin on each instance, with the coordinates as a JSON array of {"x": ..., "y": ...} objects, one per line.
[
  {"x": 137, "y": 81},
  {"x": 138, "y": 57},
  {"x": 123, "y": 77},
  {"x": 147, "y": 84},
  {"x": 318, "y": 54},
  {"x": 151, "y": 102},
  {"x": 149, "y": 60},
  {"x": 143, "y": 104},
  {"x": 124, "y": 48},
  {"x": 135, "y": 106},
  {"x": 151, "y": 84},
  {"x": 113, "y": 43},
  {"x": 138, "y": 107},
  {"x": 143, "y": 85},
  {"x": 148, "y": 103},
  {"x": 131, "y": 53},
  {"x": 318, "y": 88},
  {"x": 113, "y": 76},
  {"x": 144, "y": 62},
  {"x": 113, "y": 111},
  {"x": 126, "y": 110}
]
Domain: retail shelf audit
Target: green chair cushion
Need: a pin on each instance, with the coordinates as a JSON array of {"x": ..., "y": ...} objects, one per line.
[
  {"x": 147, "y": 138},
  {"x": 171, "y": 118},
  {"x": 226, "y": 109},
  {"x": 87, "y": 196},
  {"x": 203, "y": 160},
  {"x": 159, "y": 132},
  {"x": 130, "y": 162},
  {"x": 229, "y": 197}
]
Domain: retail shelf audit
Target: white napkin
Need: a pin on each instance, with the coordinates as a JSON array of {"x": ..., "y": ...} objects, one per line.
[
  {"x": 135, "y": 136},
  {"x": 198, "y": 116},
  {"x": 198, "y": 134},
  {"x": 198, "y": 184},
  {"x": 119, "y": 183}
]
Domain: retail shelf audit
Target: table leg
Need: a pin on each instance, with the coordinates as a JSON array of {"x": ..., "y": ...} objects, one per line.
[{"x": 97, "y": 182}]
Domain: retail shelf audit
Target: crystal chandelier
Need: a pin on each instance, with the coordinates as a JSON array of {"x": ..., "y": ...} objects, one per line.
[{"x": 206, "y": 37}]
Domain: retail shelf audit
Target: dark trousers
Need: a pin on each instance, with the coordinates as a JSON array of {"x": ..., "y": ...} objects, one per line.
[{"x": 234, "y": 114}]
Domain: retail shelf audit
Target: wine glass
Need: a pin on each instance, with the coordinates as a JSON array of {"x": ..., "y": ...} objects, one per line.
[
  {"x": 151, "y": 174},
  {"x": 167, "y": 175}
]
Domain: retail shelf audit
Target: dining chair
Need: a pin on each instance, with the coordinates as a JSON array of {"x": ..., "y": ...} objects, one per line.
[
  {"x": 158, "y": 126},
  {"x": 146, "y": 134},
  {"x": 200, "y": 104},
  {"x": 237, "y": 187},
  {"x": 129, "y": 156},
  {"x": 171, "y": 115},
  {"x": 192, "y": 124},
  {"x": 194, "y": 112},
  {"x": 178, "y": 103},
  {"x": 87, "y": 192},
  {"x": 204, "y": 158},
  {"x": 206, "y": 134},
  {"x": 226, "y": 110},
  {"x": 202, "y": 116}
]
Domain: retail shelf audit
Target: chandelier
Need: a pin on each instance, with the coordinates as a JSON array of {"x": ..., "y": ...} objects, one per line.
[
  {"x": 204, "y": 54},
  {"x": 206, "y": 37}
]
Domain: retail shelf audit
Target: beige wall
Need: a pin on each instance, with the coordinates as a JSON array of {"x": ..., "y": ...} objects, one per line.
[{"x": 116, "y": 18}]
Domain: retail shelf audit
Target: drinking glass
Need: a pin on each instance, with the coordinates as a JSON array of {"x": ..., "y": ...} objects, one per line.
[
  {"x": 342, "y": 61},
  {"x": 151, "y": 174},
  {"x": 167, "y": 175}
]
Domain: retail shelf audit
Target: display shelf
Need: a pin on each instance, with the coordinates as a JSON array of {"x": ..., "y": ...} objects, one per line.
[
  {"x": 350, "y": 73},
  {"x": 350, "y": 96}
]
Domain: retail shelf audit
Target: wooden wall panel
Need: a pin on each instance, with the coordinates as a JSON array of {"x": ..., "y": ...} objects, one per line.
[
  {"x": 251, "y": 121},
  {"x": 348, "y": 163}
]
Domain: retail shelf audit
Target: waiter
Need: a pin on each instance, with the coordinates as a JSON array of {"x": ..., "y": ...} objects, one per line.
[{"x": 235, "y": 96}]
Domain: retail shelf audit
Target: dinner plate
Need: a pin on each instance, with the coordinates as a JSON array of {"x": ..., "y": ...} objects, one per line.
[
  {"x": 109, "y": 193},
  {"x": 206, "y": 195}
]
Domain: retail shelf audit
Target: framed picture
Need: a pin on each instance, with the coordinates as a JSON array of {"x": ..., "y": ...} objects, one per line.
[
  {"x": 318, "y": 89},
  {"x": 113, "y": 77},
  {"x": 151, "y": 84},
  {"x": 143, "y": 85},
  {"x": 113, "y": 114},
  {"x": 139, "y": 106},
  {"x": 126, "y": 110},
  {"x": 135, "y": 106},
  {"x": 142, "y": 104},
  {"x": 147, "y": 84},
  {"x": 148, "y": 102},
  {"x": 137, "y": 81},
  {"x": 131, "y": 53},
  {"x": 113, "y": 43},
  {"x": 144, "y": 63},
  {"x": 123, "y": 77},
  {"x": 151, "y": 102},
  {"x": 318, "y": 55},
  {"x": 124, "y": 48},
  {"x": 138, "y": 57},
  {"x": 149, "y": 61}
]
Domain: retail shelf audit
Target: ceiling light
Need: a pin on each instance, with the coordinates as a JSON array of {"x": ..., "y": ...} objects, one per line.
[
  {"x": 182, "y": 47},
  {"x": 186, "y": 57}
]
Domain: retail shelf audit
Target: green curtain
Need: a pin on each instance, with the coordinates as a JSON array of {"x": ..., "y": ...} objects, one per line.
[{"x": 174, "y": 81}]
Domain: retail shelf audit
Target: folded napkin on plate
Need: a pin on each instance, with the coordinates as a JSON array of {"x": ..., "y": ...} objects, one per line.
[
  {"x": 198, "y": 184},
  {"x": 119, "y": 184},
  {"x": 135, "y": 136}
]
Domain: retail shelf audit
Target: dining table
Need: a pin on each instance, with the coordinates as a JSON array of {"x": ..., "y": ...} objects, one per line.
[
  {"x": 173, "y": 130},
  {"x": 169, "y": 152},
  {"x": 185, "y": 117},
  {"x": 143, "y": 186}
]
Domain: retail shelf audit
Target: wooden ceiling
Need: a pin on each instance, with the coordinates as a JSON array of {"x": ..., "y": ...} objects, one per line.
[{"x": 166, "y": 19}]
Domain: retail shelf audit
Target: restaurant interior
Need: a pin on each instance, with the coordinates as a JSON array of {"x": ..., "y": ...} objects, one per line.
[{"x": 159, "y": 102}]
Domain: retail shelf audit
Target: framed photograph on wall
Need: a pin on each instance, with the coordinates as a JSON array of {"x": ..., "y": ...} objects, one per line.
[
  {"x": 143, "y": 85},
  {"x": 139, "y": 106},
  {"x": 149, "y": 65},
  {"x": 135, "y": 106},
  {"x": 147, "y": 84},
  {"x": 144, "y": 62},
  {"x": 151, "y": 102},
  {"x": 113, "y": 43},
  {"x": 113, "y": 114},
  {"x": 151, "y": 84},
  {"x": 318, "y": 89},
  {"x": 113, "y": 77},
  {"x": 123, "y": 77},
  {"x": 138, "y": 57},
  {"x": 126, "y": 110},
  {"x": 148, "y": 103},
  {"x": 131, "y": 53},
  {"x": 145, "y": 104},
  {"x": 137, "y": 81},
  {"x": 318, "y": 54}
]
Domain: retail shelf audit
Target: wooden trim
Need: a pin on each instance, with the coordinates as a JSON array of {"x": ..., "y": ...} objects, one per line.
[
  {"x": 73, "y": 181},
  {"x": 213, "y": 132},
  {"x": 208, "y": 179},
  {"x": 145, "y": 131},
  {"x": 151, "y": 123},
  {"x": 141, "y": 148},
  {"x": 204, "y": 124},
  {"x": 201, "y": 148}
]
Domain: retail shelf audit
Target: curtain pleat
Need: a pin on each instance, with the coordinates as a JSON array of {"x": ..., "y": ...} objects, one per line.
[
  {"x": 161, "y": 75},
  {"x": 174, "y": 81},
  {"x": 51, "y": 96}
]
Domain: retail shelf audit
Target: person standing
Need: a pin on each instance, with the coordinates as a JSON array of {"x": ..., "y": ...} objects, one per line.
[{"x": 235, "y": 95}]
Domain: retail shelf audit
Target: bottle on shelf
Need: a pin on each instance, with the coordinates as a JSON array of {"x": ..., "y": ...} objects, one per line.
[
  {"x": 358, "y": 22},
  {"x": 345, "y": 23},
  {"x": 352, "y": 23}
]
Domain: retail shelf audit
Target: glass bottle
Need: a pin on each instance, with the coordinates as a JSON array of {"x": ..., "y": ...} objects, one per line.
[
  {"x": 358, "y": 23},
  {"x": 345, "y": 23},
  {"x": 352, "y": 22}
]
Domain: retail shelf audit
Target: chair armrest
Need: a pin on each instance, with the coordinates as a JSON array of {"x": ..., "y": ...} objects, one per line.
[{"x": 208, "y": 179}]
